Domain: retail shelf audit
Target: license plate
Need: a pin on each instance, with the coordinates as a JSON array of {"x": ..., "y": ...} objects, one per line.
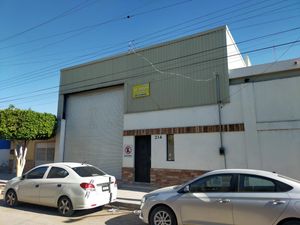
[{"x": 105, "y": 188}]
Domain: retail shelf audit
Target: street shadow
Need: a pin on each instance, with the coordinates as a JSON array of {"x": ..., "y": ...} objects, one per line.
[
  {"x": 131, "y": 219},
  {"x": 121, "y": 218},
  {"x": 48, "y": 210}
]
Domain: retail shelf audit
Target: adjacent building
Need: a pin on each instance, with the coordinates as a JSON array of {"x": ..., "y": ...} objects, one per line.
[
  {"x": 38, "y": 152},
  {"x": 170, "y": 112},
  {"x": 4, "y": 155}
]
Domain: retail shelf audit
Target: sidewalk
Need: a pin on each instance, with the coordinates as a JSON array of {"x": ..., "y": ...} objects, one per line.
[{"x": 130, "y": 195}]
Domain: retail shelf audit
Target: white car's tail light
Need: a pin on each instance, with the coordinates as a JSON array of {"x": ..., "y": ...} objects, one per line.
[
  {"x": 114, "y": 181},
  {"x": 87, "y": 186}
]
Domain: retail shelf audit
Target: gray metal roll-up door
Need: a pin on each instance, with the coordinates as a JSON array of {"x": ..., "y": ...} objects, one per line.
[{"x": 94, "y": 129}]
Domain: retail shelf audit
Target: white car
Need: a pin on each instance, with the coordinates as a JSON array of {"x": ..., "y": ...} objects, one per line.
[{"x": 66, "y": 186}]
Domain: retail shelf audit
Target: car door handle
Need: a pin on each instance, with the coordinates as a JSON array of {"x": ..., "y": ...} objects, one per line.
[
  {"x": 277, "y": 202},
  {"x": 223, "y": 201},
  {"x": 59, "y": 185},
  {"x": 37, "y": 185}
]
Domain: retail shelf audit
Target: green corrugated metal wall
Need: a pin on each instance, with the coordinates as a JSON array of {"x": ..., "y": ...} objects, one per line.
[{"x": 193, "y": 57}]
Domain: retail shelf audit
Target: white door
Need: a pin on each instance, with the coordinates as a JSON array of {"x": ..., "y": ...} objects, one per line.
[{"x": 94, "y": 129}]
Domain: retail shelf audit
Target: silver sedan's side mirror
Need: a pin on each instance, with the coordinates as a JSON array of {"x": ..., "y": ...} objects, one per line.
[
  {"x": 23, "y": 177},
  {"x": 186, "y": 189}
]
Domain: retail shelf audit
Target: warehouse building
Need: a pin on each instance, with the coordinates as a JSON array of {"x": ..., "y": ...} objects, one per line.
[{"x": 167, "y": 113}]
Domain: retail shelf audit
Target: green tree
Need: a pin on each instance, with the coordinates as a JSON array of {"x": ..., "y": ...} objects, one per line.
[{"x": 25, "y": 125}]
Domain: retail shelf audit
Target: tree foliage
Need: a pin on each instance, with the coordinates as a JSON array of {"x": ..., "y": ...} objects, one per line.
[{"x": 18, "y": 124}]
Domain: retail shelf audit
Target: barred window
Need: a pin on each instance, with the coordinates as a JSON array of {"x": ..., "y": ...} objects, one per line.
[{"x": 170, "y": 147}]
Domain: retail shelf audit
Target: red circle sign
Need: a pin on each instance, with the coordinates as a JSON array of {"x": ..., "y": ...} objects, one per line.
[{"x": 128, "y": 150}]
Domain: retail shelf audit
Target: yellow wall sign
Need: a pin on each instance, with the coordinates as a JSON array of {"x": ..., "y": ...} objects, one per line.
[{"x": 141, "y": 90}]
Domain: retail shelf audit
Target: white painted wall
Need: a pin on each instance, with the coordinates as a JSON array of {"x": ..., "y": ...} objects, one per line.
[
  {"x": 4, "y": 156},
  {"x": 193, "y": 151},
  {"x": 60, "y": 142},
  {"x": 194, "y": 116},
  {"x": 278, "y": 100},
  {"x": 235, "y": 59},
  {"x": 128, "y": 161},
  {"x": 270, "y": 111},
  {"x": 280, "y": 151},
  {"x": 199, "y": 151}
]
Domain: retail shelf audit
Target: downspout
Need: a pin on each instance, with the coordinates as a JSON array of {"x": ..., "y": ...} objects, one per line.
[{"x": 219, "y": 101}]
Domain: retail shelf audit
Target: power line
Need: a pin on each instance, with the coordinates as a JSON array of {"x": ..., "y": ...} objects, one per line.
[
  {"x": 222, "y": 20},
  {"x": 242, "y": 87},
  {"x": 231, "y": 29},
  {"x": 110, "y": 21},
  {"x": 204, "y": 51},
  {"x": 61, "y": 15},
  {"x": 135, "y": 39},
  {"x": 87, "y": 28},
  {"x": 55, "y": 64},
  {"x": 123, "y": 17},
  {"x": 148, "y": 36},
  {"x": 143, "y": 75},
  {"x": 159, "y": 8}
]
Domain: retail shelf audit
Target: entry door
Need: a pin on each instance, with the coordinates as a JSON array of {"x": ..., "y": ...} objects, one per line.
[{"x": 142, "y": 158}]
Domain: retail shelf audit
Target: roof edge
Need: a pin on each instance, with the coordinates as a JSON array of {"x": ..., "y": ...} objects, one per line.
[{"x": 106, "y": 58}]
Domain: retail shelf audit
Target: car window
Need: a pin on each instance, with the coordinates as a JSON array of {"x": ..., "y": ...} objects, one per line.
[
  {"x": 282, "y": 187},
  {"x": 214, "y": 183},
  {"x": 253, "y": 183},
  {"x": 88, "y": 171},
  {"x": 37, "y": 173},
  {"x": 250, "y": 183},
  {"x": 56, "y": 172}
]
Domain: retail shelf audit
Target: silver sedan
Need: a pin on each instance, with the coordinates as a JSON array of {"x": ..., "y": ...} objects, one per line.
[{"x": 232, "y": 196}]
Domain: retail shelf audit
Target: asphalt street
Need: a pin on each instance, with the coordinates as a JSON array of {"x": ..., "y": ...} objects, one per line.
[{"x": 27, "y": 214}]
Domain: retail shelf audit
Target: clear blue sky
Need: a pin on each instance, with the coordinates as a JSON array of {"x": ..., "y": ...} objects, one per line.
[{"x": 39, "y": 38}]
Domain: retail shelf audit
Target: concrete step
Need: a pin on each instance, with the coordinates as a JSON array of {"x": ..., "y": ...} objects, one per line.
[
  {"x": 139, "y": 187},
  {"x": 130, "y": 195}
]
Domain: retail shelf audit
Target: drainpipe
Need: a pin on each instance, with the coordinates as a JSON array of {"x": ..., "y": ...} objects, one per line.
[{"x": 219, "y": 101}]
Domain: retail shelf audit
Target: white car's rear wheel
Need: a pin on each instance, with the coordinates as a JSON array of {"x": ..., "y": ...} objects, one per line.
[
  {"x": 162, "y": 215},
  {"x": 65, "y": 207},
  {"x": 11, "y": 198}
]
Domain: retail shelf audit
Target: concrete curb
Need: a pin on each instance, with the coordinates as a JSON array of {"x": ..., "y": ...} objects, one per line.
[{"x": 126, "y": 205}]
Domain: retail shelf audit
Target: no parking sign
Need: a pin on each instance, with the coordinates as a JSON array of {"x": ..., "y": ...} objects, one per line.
[{"x": 128, "y": 150}]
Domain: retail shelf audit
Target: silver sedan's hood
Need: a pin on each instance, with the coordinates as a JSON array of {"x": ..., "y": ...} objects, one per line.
[
  {"x": 13, "y": 181},
  {"x": 165, "y": 190}
]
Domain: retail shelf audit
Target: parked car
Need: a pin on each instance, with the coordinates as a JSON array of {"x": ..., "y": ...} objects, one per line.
[
  {"x": 67, "y": 186},
  {"x": 231, "y": 196}
]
